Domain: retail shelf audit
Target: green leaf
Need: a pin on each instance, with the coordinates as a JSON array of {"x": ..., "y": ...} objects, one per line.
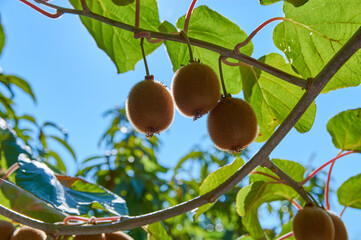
[
  {"x": 28, "y": 204},
  {"x": 349, "y": 194},
  {"x": 215, "y": 179},
  {"x": 345, "y": 130},
  {"x": 65, "y": 144},
  {"x": 314, "y": 32},
  {"x": 245, "y": 238},
  {"x": 295, "y": 3},
  {"x": 68, "y": 194},
  {"x": 286, "y": 228},
  {"x": 157, "y": 231},
  {"x": 272, "y": 98},
  {"x": 191, "y": 155},
  {"x": 120, "y": 44},
  {"x": 2, "y": 38},
  {"x": 20, "y": 83},
  {"x": 122, "y": 2},
  {"x": 210, "y": 26}
]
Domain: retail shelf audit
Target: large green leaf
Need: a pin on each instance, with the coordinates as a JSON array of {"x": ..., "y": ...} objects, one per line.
[
  {"x": 28, "y": 204},
  {"x": 208, "y": 25},
  {"x": 272, "y": 99},
  {"x": 349, "y": 194},
  {"x": 10, "y": 80},
  {"x": 119, "y": 44},
  {"x": 296, "y": 3},
  {"x": 157, "y": 231},
  {"x": 71, "y": 195},
  {"x": 215, "y": 179},
  {"x": 314, "y": 32},
  {"x": 264, "y": 189},
  {"x": 2, "y": 38},
  {"x": 345, "y": 130}
]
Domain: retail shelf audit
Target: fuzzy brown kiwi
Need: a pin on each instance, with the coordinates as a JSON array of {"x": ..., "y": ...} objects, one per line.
[
  {"x": 340, "y": 229},
  {"x": 232, "y": 124},
  {"x": 313, "y": 223},
  {"x": 117, "y": 236},
  {"x": 6, "y": 230},
  {"x": 150, "y": 107},
  {"x": 26, "y": 233},
  {"x": 89, "y": 237},
  {"x": 196, "y": 89}
]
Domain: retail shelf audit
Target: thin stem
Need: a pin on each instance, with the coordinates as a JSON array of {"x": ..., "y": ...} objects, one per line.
[
  {"x": 50, "y": 15},
  {"x": 137, "y": 13},
  {"x": 191, "y": 59},
  {"x": 327, "y": 187},
  {"x": 296, "y": 205},
  {"x": 343, "y": 211},
  {"x": 144, "y": 58},
  {"x": 287, "y": 235},
  {"x": 84, "y": 5},
  {"x": 249, "y": 38},
  {"x": 199, "y": 43},
  {"x": 225, "y": 61},
  {"x": 11, "y": 169},
  {"x": 188, "y": 16},
  {"x": 225, "y": 94},
  {"x": 324, "y": 165},
  {"x": 267, "y": 175}
]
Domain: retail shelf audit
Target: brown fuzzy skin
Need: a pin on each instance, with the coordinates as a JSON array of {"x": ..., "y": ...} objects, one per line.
[
  {"x": 340, "y": 228},
  {"x": 89, "y": 237},
  {"x": 6, "y": 230},
  {"x": 117, "y": 236},
  {"x": 150, "y": 107},
  {"x": 26, "y": 233},
  {"x": 196, "y": 89},
  {"x": 232, "y": 125},
  {"x": 313, "y": 223}
]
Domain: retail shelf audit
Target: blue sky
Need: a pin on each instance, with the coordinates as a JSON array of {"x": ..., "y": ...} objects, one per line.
[{"x": 75, "y": 82}]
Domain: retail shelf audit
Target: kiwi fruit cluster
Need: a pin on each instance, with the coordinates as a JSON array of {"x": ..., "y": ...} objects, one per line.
[
  {"x": 195, "y": 90},
  {"x": 106, "y": 236},
  {"x": 8, "y": 232},
  {"x": 315, "y": 223}
]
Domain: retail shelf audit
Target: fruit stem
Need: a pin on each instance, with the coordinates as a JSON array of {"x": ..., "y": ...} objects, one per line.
[
  {"x": 327, "y": 187},
  {"x": 287, "y": 235},
  {"x": 144, "y": 58},
  {"x": 50, "y": 15},
  {"x": 225, "y": 94},
  {"x": 249, "y": 38},
  {"x": 188, "y": 16},
  {"x": 343, "y": 211},
  {"x": 191, "y": 59},
  {"x": 137, "y": 13},
  {"x": 324, "y": 165}
]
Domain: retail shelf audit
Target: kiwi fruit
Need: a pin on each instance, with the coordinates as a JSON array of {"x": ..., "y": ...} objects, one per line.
[
  {"x": 117, "y": 236},
  {"x": 195, "y": 89},
  {"x": 27, "y": 233},
  {"x": 232, "y": 124},
  {"x": 89, "y": 237},
  {"x": 313, "y": 223},
  {"x": 340, "y": 229},
  {"x": 6, "y": 230},
  {"x": 150, "y": 107}
]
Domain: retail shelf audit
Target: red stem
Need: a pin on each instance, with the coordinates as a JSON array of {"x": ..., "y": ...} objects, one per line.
[
  {"x": 267, "y": 175},
  {"x": 287, "y": 235},
  {"x": 249, "y": 38},
  {"x": 137, "y": 13},
  {"x": 327, "y": 187},
  {"x": 84, "y": 5},
  {"x": 324, "y": 165},
  {"x": 11, "y": 169},
  {"x": 189, "y": 13},
  {"x": 343, "y": 211},
  {"x": 50, "y": 15},
  {"x": 295, "y": 204},
  {"x": 91, "y": 220}
]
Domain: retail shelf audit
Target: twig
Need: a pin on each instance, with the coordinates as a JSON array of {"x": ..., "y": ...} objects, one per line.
[{"x": 188, "y": 16}]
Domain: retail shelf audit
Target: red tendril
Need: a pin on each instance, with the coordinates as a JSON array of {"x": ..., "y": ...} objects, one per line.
[{"x": 50, "y": 15}]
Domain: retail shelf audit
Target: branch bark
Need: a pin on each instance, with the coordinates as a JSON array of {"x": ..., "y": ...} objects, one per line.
[{"x": 260, "y": 157}]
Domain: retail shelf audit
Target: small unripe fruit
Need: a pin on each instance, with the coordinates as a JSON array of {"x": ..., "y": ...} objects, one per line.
[
  {"x": 6, "y": 230},
  {"x": 232, "y": 125},
  {"x": 313, "y": 223},
  {"x": 196, "y": 89},
  {"x": 117, "y": 236},
  {"x": 89, "y": 237},
  {"x": 26, "y": 233},
  {"x": 340, "y": 229},
  {"x": 150, "y": 107}
]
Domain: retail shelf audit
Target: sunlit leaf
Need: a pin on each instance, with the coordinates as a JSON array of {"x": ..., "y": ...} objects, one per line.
[
  {"x": 314, "y": 32},
  {"x": 120, "y": 44},
  {"x": 345, "y": 130},
  {"x": 272, "y": 98},
  {"x": 210, "y": 26},
  {"x": 157, "y": 231},
  {"x": 20, "y": 83},
  {"x": 215, "y": 179},
  {"x": 349, "y": 194}
]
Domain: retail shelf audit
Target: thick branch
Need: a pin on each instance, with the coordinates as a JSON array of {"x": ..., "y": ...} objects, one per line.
[{"x": 178, "y": 38}]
